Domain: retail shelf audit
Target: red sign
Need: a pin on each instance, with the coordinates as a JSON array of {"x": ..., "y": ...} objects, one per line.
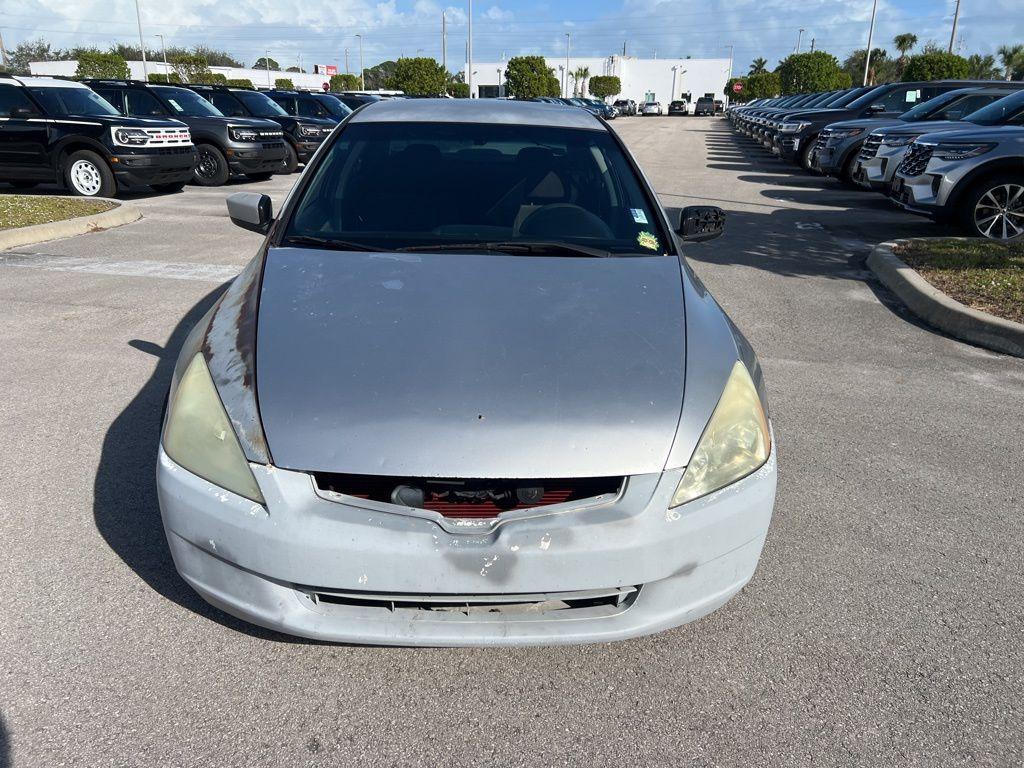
[
  {"x": 737, "y": 87},
  {"x": 325, "y": 69}
]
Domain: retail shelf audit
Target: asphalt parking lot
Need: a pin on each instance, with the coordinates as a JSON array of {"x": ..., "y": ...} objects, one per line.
[{"x": 885, "y": 624}]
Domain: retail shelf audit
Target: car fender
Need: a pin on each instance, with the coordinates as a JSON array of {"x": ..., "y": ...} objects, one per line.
[{"x": 996, "y": 165}]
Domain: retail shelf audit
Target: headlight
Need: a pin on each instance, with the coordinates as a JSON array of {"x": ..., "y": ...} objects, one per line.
[
  {"x": 130, "y": 137},
  {"x": 845, "y": 133},
  {"x": 900, "y": 141},
  {"x": 794, "y": 127},
  {"x": 960, "y": 151},
  {"x": 199, "y": 436},
  {"x": 245, "y": 134},
  {"x": 309, "y": 130},
  {"x": 735, "y": 442}
]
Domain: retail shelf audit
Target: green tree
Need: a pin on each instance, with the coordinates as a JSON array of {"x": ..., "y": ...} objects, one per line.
[
  {"x": 284, "y": 84},
  {"x": 33, "y": 50},
  {"x": 527, "y": 77},
  {"x": 579, "y": 78},
  {"x": 459, "y": 90},
  {"x": 883, "y": 69},
  {"x": 102, "y": 65},
  {"x": 763, "y": 86},
  {"x": 603, "y": 86},
  {"x": 743, "y": 95},
  {"x": 418, "y": 76},
  {"x": 191, "y": 68},
  {"x": 805, "y": 72},
  {"x": 758, "y": 65},
  {"x": 1012, "y": 58},
  {"x": 159, "y": 77},
  {"x": 904, "y": 44},
  {"x": 296, "y": 69},
  {"x": 239, "y": 82},
  {"x": 983, "y": 67},
  {"x": 217, "y": 78},
  {"x": 261, "y": 63},
  {"x": 936, "y": 66},
  {"x": 345, "y": 82},
  {"x": 377, "y": 77}
]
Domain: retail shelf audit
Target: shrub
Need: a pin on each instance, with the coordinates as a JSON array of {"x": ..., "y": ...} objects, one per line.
[
  {"x": 239, "y": 82},
  {"x": 743, "y": 95},
  {"x": 191, "y": 68},
  {"x": 344, "y": 82},
  {"x": 603, "y": 86},
  {"x": 527, "y": 77},
  {"x": 936, "y": 66},
  {"x": 284, "y": 83},
  {"x": 763, "y": 86},
  {"x": 807, "y": 72},
  {"x": 160, "y": 77},
  {"x": 459, "y": 90},
  {"x": 102, "y": 65},
  {"x": 418, "y": 76}
]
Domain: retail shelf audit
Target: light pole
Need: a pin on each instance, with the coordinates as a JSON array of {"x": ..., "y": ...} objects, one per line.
[
  {"x": 444, "y": 48},
  {"x": 499, "y": 82},
  {"x": 266, "y": 60},
  {"x": 799, "y": 39},
  {"x": 469, "y": 51},
  {"x": 163, "y": 49},
  {"x": 956, "y": 18},
  {"x": 362, "y": 75},
  {"x": 346, "y": 61},
  {"x": 871, "y": 35},
  {"x": 731, "y": 51},
  {"x": 142, "y": 44},
  {"x": 568, "y": 48}
]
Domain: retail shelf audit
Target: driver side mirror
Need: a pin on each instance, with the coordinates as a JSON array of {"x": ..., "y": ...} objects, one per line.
[
  {"x": 875, "y": 109},
  {"x": 251, "y": 210},
  {"x": 698, "y": 223},
  {"x": 23, "y": 112}
]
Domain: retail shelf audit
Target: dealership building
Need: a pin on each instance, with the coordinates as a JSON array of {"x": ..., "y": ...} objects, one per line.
[{"x": 661, "y": 80}]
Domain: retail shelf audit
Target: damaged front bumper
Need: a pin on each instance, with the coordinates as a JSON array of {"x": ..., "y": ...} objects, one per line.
[{"x": 346, "y": 569}]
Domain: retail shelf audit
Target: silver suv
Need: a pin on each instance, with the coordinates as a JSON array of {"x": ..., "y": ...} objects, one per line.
[
  {"x": 974, "y": 177},
  {"x": 886, "y": 146}
]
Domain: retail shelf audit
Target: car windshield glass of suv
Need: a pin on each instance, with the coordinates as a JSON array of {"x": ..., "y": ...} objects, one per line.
[
  {"x": 1008, "y": 111},
  {"x": 924, "y": 110},
  {"x": 334, "y": 106},
  {"x": 187, "y": 103},
  {"x": 539, "y": 186},
  {"x": 258, "y": 104},
  {"x": 73, "y": 101}
]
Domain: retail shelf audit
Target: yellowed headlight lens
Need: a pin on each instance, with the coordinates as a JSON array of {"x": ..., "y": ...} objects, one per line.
[
  {"x": 199, "y": 436},
  {"x": 735, "y": 442}
]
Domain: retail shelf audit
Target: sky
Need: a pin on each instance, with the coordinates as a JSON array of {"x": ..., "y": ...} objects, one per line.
[{"x": 319, "y": 32}]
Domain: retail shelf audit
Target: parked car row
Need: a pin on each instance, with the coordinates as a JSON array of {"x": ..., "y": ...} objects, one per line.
[
  {"x": 594, "y": 106},
  {"x": 952, "y": 150},
  {"x": 98, "y": 137}
]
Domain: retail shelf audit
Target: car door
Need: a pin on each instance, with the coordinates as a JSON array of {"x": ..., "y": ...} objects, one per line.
[
  {"x": 24, "y": 135},
  {"x": 228, "y": 104},
  {"x": 140, "y": 103},
  {"x": 287, "y": 103},
  {"x": 114, "y": 95},
  {"x": 311, "y": 108}
]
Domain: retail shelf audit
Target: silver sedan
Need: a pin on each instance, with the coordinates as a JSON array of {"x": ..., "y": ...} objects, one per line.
[{"x": 468, "y": 392}]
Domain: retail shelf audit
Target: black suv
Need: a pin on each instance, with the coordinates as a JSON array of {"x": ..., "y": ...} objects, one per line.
[
  {"x": 326, "y": 106},
  {"x": 705, "y": 106},
  {"x": 302, "y": 135},
  {"x": 224, "y": 145},
  {"x": 354, "y": 99},
  {"x": 54, "y": 130}
]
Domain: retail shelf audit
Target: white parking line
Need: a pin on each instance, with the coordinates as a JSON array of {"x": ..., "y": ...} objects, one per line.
[{"x": 214, "y": 273}]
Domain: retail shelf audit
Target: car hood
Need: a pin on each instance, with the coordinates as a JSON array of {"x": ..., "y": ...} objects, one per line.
[
  {"x": 971, "y": 132},
  {"x": 133, "y": 122},
  {"x": 828, "y": 115},
  {"x": 926, "y": 126},
  {"x": 868, "y": 123},
  {"x": 468, "y": 365},
  {"x": 216, "y": 121}
]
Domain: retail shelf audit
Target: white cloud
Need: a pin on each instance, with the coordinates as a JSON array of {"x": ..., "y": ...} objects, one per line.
[{"x": 494, "y": 13}]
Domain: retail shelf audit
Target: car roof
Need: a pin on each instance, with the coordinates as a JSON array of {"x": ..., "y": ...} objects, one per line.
[
  {"x": 43, "y": 82},
  {"x": 500, "y": 111}
]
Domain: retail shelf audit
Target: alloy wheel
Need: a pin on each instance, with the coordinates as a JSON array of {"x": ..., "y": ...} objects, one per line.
[
  {"x": 85, "y": 177},
  {"x": 999, "y": 214}
]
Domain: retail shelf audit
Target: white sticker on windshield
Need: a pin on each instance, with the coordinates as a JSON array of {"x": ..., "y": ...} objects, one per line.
[{"x": 638, "y": 215}]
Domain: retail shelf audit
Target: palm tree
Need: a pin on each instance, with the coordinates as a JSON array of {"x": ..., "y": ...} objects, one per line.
[
  {"x": 758, "y": 66},
  {"x": 904, "y": 44},
  {"x": 1011, "y": 57},
  {"x": 580, "y": 76},
  {"x": 982, "y": 67}
]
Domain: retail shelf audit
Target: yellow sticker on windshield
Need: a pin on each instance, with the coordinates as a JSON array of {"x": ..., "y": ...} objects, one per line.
[{"x": 647, "y": 240}]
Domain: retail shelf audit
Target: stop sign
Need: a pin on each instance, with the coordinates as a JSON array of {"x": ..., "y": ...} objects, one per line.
[{"x": 737, "y": 87}]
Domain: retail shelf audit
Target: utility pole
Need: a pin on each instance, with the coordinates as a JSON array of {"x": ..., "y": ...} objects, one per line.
[
  {"x": 871, "y": 37},
  {"x": 812, "y": 45},
  {"x": 362, "y": 72},
  {"x": 799, "y": 39},
  {"x": 956, "y": 18},
  {"x": 469, "y": 51},
  {"x": 568, "y": 48},
  {"x": 163, "y": 48},
  {"x": 142, "y": 44},
  {"x": 623, "y": 49},
  {"x": 3, "y": 51},
  {"x": 444, "y": 46},
  {"x": 731, "y": 51},
  {"x": 266, "y": 60},
  {"x": 346, "y": 61}
]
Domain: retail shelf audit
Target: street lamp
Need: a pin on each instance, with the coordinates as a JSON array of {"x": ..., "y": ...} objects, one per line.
[
  {"x": 163, "y": 48},
  {"x": 266, "y": 60},
  {"x": 799, "y": 38},
  {"x": 469, "y": 50},
  {"x": 362, "y": 75},
  {"x": 568, "y": 46},
  {"x": 142, "y": 44}
]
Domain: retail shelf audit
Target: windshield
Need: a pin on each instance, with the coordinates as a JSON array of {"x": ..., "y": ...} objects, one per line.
[
  {"x": 870, "y": 97},
  {"x": 847, "y": 97},
  {"x": 185, "y": 102},
  {"x": 258, "y": 104},
  {"x": 73, "y": 101},
  {"x": 925, "y": 109},
  {"x": 487, "y": 184},
  {"x": 1008, "y": 111},
  {"x": 334, "y": 106}
]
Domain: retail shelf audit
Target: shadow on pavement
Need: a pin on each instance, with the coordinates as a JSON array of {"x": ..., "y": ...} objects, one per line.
[
  {"x": 6, "y": 761},
  {"x": 125, "y": 506}
]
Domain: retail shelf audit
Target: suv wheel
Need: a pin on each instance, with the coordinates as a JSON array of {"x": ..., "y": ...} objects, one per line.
[
  {"x": 87, "y": 175},
  {"x": 805, "y": 154},
  {"x": 291, "y": 159},
  {"x": 995, "y": 208},
  {"x": 211, "y": 168}
]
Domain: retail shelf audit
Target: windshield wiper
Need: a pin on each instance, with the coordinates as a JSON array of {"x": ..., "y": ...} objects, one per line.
[
  {"x": 324, "y": 242},
  {"x": 518, "y": 246}
]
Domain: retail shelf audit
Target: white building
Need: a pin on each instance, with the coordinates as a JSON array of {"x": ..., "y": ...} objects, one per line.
[
  {"x": 662, "y": 80},
  {"x": 259, "y": 77}
]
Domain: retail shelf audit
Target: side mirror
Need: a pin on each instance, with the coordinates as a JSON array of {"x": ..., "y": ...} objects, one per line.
[
  {"x": 251, "y": 210},
  {"x": 875, "y": 109},
  {"x": 698, "y": 223},
  {"x": 23, "y": 112}
]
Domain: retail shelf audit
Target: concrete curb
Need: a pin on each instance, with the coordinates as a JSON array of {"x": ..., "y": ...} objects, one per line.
[
  {"x": 39, "y": 233},
  {"x": 939, "y": 310}
]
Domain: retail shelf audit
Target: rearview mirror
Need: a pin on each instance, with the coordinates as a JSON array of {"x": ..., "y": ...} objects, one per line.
[
  {"x": 698, "y": 223},
  {"x": 251, "y": 210},
  {"x": 874, "y": 109}
]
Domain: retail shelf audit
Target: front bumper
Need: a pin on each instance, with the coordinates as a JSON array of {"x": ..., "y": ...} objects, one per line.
[
  {"x": 877, "y": 172},
  {"x": 163, "y": 166},
  {"x": 787, "y": 146},
  {"x": 256, "y": 158},
  {"x": 304, "y": 149},
  {"x": 267, "y": 565}
]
